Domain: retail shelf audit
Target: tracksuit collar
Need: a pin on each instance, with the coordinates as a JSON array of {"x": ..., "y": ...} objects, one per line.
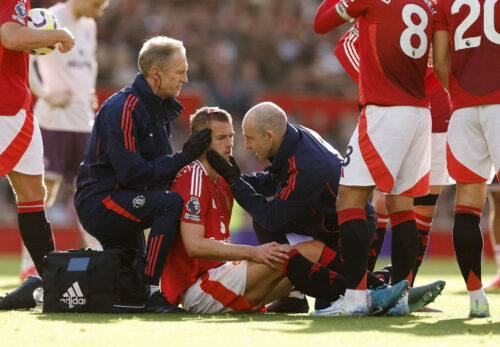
[
  {"x": 169, "y": 108},
  {"x": 292, "y": 137}
]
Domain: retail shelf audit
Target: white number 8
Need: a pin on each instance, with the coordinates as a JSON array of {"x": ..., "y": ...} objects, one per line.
[{"x": 413, "y": 29}]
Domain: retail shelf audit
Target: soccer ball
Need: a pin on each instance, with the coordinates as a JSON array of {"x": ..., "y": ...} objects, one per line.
[{"x": 42, "y": 19}]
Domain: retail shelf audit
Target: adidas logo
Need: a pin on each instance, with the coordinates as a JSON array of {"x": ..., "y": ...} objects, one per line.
[{"x": 73, "y": 296}]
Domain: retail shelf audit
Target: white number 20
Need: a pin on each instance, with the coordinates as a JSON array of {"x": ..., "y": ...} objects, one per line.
[
  {"x": 475, "y": 11},
  {"x": 414, "y": 29}
]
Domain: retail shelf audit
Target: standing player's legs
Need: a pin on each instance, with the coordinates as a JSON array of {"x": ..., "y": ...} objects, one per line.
[
  {"x": 425, "y": 209},
  {"x": 494, "y": 228},
  {"x": 473, "y": 146},
  {"x": 354, "y": 242},
  {"x": 63, "y": 152},
  {"x": 383, "y": 152},
  {"x": 468, "y": 242},
  {"x": 26, "y": 179},
  {"x": 382, "y": 220},
  {"x": 35, "y": 230}
]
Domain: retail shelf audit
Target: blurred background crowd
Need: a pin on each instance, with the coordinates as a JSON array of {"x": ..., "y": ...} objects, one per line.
[{"x": 239, "y": 52}]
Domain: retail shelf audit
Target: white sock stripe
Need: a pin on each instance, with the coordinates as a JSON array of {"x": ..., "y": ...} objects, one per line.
[
  {"x": 427, "y": 224},
  {"x": 30, "y": 206}
]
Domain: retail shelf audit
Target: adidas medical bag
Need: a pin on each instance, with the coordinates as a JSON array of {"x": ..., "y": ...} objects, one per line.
[{"x": 109, "y": 281}]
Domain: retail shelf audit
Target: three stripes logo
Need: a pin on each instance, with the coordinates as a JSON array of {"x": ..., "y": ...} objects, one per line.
[{"x": 73, "y": 296}]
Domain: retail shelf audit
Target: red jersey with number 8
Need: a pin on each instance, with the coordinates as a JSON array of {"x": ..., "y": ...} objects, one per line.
[
  {"x": 473, "y": 27},
  {"x": 394, "y": 49}
]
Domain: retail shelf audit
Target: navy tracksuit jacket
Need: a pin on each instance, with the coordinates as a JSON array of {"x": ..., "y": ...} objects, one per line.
[
  {"x": 129, "y": 150},
  {"x": 304, "y": 179}
]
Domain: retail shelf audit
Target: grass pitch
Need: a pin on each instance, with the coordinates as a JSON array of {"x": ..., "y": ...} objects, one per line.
[{"x": 452, "y": 327}]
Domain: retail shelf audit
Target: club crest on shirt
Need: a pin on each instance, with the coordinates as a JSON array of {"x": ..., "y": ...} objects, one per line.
[
  {"x": 193, "y": 205},
  {"x": 138, "y": 201}
]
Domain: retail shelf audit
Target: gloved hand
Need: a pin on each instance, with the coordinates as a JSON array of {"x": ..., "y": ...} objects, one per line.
[
  {"x": 229, "y": 171},
  {"x": 197, "y": 143}
]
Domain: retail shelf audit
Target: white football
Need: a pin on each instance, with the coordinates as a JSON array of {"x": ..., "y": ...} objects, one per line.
[{"x": 42, "y": 19}]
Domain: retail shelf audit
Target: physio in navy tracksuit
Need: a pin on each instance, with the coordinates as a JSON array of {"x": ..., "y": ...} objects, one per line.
[
  {"x": 128, "y": 164},
  {"x": 303, "y": 179}
]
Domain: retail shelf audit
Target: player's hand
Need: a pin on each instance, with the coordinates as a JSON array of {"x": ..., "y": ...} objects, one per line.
[
  {"x": 230, "y": 171},
  {"x": 197, "y": 143},
  {"x": 59, "y": 99},
  {"x": 272, "y": 254},
  {"x": 67, "y": 41}
]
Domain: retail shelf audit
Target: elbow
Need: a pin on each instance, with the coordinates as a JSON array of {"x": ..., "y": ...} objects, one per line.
[
  {"x": 10, "y": 43},
  {"x": 191, "y": 250},
  {"x": 319, "y": 29}
]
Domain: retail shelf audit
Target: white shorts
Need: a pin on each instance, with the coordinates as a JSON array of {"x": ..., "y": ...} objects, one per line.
[
  {"x": 21, "y": 147},
  {"x": 219, "y": 290},
  {"x": 390, "y": 149},
  {"x": 439, "y": 172},
  {"x": 473, "y": 150}
]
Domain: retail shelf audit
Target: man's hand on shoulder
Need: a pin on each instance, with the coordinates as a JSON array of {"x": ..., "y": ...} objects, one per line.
[
  {"x": 197, "y": 143},
  {"x": 230, "y": 171},
  {"x": 272, "y": 254}
]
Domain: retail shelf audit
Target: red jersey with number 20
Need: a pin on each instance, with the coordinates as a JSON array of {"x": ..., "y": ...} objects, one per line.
[
  {"x": 473, "y": 27},
  {"x": 205, "y": 203},
  {"x": 393, "y": 52}
]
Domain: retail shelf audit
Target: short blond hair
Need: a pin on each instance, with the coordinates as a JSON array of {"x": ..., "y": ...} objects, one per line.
[
  {"x": 157, "y": 51},
  {"x": 203, "y": 116}
]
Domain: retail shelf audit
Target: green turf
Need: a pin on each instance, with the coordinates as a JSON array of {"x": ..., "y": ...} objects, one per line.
[{"x": 451, "y": 328}]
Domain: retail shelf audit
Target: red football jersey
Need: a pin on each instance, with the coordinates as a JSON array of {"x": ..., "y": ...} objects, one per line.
[
  {"x": 205, "y": 203},
  {"x": 347, "y": 52},
  {"x": 14, "y": 88},
  {"x": 396, "y": 35},
  {"x": 475, "y": 50}
]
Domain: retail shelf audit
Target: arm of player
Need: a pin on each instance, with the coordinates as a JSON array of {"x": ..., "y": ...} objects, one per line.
[
  {"x": 270, "y": 214},
  {"x": 197, "y": 246},
  {"x": 331, "y": 14},
  {"x": 16, "y": 37},
  {"x": 441, "y": 52},
  {"x": 347, "y": 52}
]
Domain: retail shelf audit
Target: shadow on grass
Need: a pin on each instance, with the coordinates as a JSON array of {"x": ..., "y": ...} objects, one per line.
[{"x": 413, "y": 325}]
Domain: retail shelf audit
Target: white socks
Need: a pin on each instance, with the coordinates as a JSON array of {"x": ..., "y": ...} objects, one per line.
[
  {"x": 477, "y": 295},
  {"x": 357, "y": 297},
  {"x": 153, "y": 289}
]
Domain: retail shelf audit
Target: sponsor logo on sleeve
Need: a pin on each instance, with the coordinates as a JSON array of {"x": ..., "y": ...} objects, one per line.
[
  {"x": 341, "y": 10},
  {"x": 193, "y": 217}
]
